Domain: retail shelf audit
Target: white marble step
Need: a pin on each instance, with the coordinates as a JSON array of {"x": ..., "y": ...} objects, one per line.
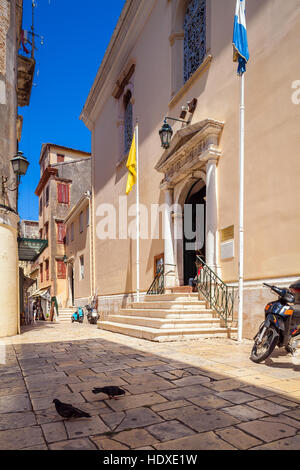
[
  {"x": 165, "y": 323},
  {"x": 168, "y": 313},
  {"x": 172, "y": 297},
  {"x": 170, "y": 304},
  {"x": 165, "y": 335}
]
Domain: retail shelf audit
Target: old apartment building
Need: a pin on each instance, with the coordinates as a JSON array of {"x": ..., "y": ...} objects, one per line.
[
  {"x": 79, "y": 252},
  {"x": 65, "y": 176},
  {"x": 173, "y": 58}
]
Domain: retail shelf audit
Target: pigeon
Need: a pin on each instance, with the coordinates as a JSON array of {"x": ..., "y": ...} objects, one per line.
[
  {"x": 69, "y": 411},
  {"x": 111, "y": 391}
]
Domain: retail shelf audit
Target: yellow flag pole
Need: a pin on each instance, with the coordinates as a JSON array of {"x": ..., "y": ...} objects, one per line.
[{"x": 137, "y": 215}]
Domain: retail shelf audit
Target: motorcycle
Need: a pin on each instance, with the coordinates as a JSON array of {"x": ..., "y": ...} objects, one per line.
[
  {"x": 78, "y": 316},
  {"x": 280, "y": 328},
  {"x": 92, "y": 315}
]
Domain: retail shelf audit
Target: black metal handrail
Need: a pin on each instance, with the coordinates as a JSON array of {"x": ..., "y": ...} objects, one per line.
[
  {"x": 158, "y": 284},
  {"x": 220, "y": 296}
]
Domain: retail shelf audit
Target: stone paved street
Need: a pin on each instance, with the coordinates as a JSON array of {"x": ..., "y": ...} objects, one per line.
[{"x": 195, "y": 395}]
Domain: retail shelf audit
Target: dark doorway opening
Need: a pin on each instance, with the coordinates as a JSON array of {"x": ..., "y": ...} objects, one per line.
[{"x": 194, "y": 229}]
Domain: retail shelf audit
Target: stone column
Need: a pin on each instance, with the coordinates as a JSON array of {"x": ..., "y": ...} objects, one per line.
[
  {"x": 211, "y": 213},
  {"x": 169, "y": 259}
]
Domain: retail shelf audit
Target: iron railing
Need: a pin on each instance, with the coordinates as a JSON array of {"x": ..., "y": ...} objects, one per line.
[
  {"x": 158, "y": 285},
  {"x": 220, "y": 296}
]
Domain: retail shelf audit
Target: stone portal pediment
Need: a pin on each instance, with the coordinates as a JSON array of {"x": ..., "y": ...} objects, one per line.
[{"x": 190, "y": 149}]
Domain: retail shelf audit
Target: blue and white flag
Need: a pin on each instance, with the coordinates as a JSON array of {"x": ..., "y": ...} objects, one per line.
[{"x": 240, "y": 40}]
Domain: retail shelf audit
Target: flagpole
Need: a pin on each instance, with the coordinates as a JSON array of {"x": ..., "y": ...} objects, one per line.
[
  {"x": 137, "y": 215},
  {"x": 241, "y": 209}
]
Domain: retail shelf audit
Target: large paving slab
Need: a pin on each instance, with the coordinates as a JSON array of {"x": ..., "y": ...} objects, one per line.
[{"x": 195, "y": 395}]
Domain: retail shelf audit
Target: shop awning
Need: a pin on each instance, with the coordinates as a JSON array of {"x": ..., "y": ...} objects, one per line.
[
  {"x": 28, "y": 282},
  {"x": 31, "y": 248},
  {"x": 42, "y": 293}
]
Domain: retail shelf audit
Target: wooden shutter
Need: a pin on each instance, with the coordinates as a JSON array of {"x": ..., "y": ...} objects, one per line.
[
  {"x": 47, "y": 269},
  {"x": 61, "y": 270},
  {"x": 63, "y": 193},
  {"x": 59, "y": 192},
  {"x": 61, "y": 232}
]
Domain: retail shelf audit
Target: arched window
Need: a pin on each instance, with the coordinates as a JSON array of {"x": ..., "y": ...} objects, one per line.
[
  {"x": 128, "y": 128},
  {"x": 194, "y": 36}
]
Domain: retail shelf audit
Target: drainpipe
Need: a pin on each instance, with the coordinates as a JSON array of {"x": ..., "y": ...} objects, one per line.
[{"x": 91, "y": 250}]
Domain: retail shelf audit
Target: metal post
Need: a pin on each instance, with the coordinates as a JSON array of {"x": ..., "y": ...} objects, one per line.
[
  {"x": 17, "y": 193},
  {"x": 32, "y": 31},
  {"x": 241, "y": 209}
]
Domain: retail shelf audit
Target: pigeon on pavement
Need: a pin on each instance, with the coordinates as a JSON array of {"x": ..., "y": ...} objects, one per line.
[
  {"x": 111, "y": 391},
  {"x": 69, "y": 411}
]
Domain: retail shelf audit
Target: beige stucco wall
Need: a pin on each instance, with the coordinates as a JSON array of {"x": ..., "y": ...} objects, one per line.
[
  {"x": 116, "y": 274},
  {"x": 272, "y": 164},
  {"x": 9, "y": 276}
]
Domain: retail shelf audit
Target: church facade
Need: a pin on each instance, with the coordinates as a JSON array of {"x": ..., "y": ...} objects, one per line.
[{"x": 173, "y": 59}]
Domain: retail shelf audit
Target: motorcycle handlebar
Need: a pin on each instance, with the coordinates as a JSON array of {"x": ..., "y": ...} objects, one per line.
[
  {"x": 274, "y": 288},
  {"x": 280, "y": 292}
]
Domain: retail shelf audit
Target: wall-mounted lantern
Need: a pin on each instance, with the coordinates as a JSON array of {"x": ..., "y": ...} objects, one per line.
[{"x": 166, "y": 132}]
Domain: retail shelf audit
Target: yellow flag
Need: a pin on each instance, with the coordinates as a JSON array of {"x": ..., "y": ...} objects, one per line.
[{"x": 131, "y": 165}]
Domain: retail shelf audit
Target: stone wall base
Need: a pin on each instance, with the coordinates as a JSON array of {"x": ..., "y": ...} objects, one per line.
[{"x": 111, "y": 304}]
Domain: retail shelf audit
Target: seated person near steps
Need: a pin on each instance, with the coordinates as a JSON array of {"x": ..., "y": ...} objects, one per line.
[{"x": 193, "y": 281}]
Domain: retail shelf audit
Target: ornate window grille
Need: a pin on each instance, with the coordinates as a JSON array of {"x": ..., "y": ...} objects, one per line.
[
  {"x": 128, "y": 128},
  {"x": 194, "y": 36}
]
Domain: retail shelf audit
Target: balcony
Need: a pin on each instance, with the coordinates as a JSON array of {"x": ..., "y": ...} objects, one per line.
[
  {"x": 31, "y": 248},
  {"x": 26, "y": 66}
]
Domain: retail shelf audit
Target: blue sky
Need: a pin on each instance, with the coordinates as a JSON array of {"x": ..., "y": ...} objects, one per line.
[{"x": 76, "y": 34}]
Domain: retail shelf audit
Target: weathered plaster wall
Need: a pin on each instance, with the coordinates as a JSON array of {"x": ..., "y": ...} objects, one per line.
[{"x": 9, "y": 271}]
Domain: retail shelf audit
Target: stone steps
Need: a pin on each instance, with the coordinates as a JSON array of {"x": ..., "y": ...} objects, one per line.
[
  {"x": 65, "y": 314},
  {"x": 168, "y": 317}
]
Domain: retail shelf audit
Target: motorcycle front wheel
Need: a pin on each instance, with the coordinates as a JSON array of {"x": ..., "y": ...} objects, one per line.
[{"x": 264, "y": 349}]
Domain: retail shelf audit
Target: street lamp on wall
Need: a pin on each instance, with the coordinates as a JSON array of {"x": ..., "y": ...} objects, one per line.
[
  {"x": 166, "y": 132},
  {"x": 19, "y": 165}
]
